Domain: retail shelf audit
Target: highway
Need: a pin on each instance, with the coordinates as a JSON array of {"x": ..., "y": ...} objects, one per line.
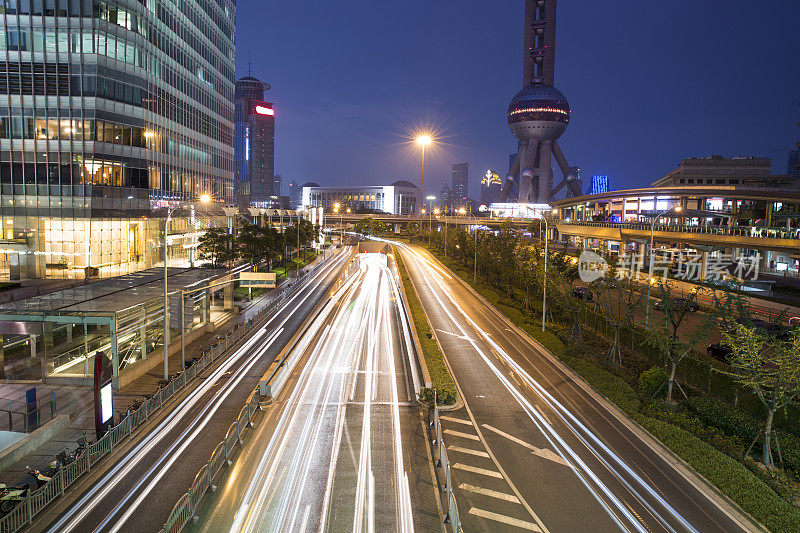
[
  {"x": 339, "y": 448},
  {"x": 532, "y": 449},
  {"x": 137, "y": 486}
]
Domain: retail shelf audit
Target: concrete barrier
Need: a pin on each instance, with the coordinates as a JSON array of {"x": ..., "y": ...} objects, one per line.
[{"x": 32, "y": 441}]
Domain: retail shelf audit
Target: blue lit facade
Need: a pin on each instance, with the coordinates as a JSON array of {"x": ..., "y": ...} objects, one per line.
[{"x": 599, "y": 184}]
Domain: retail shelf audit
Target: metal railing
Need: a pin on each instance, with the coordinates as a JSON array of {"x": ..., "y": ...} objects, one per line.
[
  {"x": 24, "y": 513},
  {"x": 24, "y": 410},
  {"x": 188, "y": 503},
  {"x": 735, "y": 231},
  {"x": 451, "y": 516}
]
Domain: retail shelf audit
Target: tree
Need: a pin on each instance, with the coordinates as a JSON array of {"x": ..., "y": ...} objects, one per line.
[
  {"x": 216, "y": 246},
  {"x": 673, "y": 337},
  {"x": 618, "y": 297},
  {"x": 369, "y": 226},
  {"x": 771, "y": 368},
  {"x": 253, "y": 243}
]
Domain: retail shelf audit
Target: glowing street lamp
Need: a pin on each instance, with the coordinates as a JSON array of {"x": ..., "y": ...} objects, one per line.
[{"x": 423, "y": 141}]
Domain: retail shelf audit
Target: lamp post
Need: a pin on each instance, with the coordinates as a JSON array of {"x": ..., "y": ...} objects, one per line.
[
  {"x": 544, "y": 285},
  {"x": 423, "y": 141},
  {"x": 430, "y": 199},
  {"x": 205, "y": 198},
  {"x": 677, "y": 209}
]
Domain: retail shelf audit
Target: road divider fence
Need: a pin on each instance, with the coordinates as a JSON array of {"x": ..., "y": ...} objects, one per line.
[
  {"x": 35, "y": 501},
  {"x": 186, "y": 507},
  {"x": 451, "y": 516}
]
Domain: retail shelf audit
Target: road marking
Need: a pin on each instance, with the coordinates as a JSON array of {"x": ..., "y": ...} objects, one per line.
[
  {"x": 456, "y": 420},
  {"x": 487, "y": 492},
  {"x": 476, "y": 470},
  {"x": 459, "y": 434},
  {"x": 522, "y": 524},
  {"x": 456, "y": 335},
  {"x": 544, "y": 453},
  {"x": 467, "y": 450}
]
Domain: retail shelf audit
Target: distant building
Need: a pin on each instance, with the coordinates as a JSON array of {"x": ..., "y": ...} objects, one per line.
[
  {"x": 295, "y": 194},
  {"x": 254, "y": 144},
  {"x": 490, "y": 187},
  {"x": 793, "y": 164},
  {"x": 718, "y": 170},
  {"x": 446, "y": 197},
  {"x": 277, "y": 189},
  {"x": 399, "y": 198},
  {"x": 460, "y": 183},
  {"x": 600, "y": 184}
]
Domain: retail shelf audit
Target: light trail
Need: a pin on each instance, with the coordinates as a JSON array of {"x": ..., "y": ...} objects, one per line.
[
  {"x": 599, "y": 450},
  {"x": 72, "y": 518},
  {"x": 301, "y": 475}
]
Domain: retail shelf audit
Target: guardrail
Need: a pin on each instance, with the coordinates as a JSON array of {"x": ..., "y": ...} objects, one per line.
[
  {"x": 188, "y": 503},
  {"x": 734, "y": 231},
  {"x": 26, "y": 410},
  {"x": 23, "y": 514},
  {"x": 451, "y": 517}
]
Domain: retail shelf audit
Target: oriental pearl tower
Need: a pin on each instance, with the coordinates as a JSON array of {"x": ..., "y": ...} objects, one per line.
[{"x": 538, "y": 114}]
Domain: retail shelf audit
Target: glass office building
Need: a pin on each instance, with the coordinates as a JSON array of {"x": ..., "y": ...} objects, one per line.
[{"x": 109, "y": 111}]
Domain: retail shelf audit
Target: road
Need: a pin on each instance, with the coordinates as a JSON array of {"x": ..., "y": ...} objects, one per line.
[
  {"x": 137, "y": 486},
  {"x": 534, "y": 450},
  {"x": 340, "y": 448}
]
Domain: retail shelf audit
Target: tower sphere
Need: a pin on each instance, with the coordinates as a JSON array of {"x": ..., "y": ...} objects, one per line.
[{"x": 539, "y": 111}]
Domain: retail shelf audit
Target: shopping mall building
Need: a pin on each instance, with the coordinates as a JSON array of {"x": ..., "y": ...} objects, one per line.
[
  {"x": 111, "y": 112},
  {"x": 715, "y": 205}
]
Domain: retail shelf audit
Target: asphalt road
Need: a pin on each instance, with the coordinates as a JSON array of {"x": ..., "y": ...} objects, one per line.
[
  {"x": 136, "y": 488},
  {"x": 343, "y": 447},
  {"x": 533, "y": 450}
]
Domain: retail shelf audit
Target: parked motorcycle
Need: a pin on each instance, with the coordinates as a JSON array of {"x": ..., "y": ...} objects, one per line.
[
  {"x": 10, "y": 497},
  {"x": 43, "y": 477}
]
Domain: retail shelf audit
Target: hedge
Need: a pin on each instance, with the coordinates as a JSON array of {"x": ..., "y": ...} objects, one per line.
[{"x": 441, "y": 380}]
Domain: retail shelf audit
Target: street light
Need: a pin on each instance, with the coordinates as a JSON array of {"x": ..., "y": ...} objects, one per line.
[
  {"x": 540, "y": 216},
  {"x": 677, "y": 209},
  {"x": 423, "y": 140},
  {"x": 205, "y": 198},
  {"x": 430, "y": 199},
  {"x": 336, "y": 207}
]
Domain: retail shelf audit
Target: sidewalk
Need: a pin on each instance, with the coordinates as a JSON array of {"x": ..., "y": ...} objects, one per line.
[{"x": 78, "y": 402}]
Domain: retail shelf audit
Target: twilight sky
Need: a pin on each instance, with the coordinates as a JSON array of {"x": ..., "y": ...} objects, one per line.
[{"x": 649, "y": 83}]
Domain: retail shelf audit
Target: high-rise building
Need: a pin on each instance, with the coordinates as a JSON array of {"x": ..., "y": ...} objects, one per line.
[
  {"x": 446, "y": 197},
  {"x": 600, "y": 184},
  {"x": 254, "y": 143},
  {"x": 109, "y": 111},
  {"x": 460, "y": 183},
  {"x": 277, "y": 189},
  {"x": 490, "y": 187},
  {"x": 295, "y": 194}
]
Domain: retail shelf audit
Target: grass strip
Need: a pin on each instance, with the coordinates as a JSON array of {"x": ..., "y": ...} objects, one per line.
[{"x": 441, "y": 380}]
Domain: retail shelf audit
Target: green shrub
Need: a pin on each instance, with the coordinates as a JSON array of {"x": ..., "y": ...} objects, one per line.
[
  {"x": 612, "y": 387},
  {"x": 724, "y": 416},
  {"x": 651, "y": 382}
]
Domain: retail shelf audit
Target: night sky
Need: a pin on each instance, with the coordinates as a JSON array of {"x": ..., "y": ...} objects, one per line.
[{"x": 649, "y": 83}]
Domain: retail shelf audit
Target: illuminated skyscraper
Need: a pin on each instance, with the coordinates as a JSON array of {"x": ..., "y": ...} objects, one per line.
[
  {"x": 460, "y": 183},
  {"x": 490, "y": 188},
  {"x": 254, "y": 142},
  {"x": 600, "y": 184}
]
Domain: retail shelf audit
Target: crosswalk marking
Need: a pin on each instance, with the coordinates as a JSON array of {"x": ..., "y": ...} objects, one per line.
[
  {"x": 522, "y": 524},
  {"x": 459, "y": 434},
  {"x": 456, "y": 420},
  {"x": 477, "y": 470},
  {"x": 467, "y": 450},
  {"x": 544, "y": 453},
  {"x": 487, "y": 492}
]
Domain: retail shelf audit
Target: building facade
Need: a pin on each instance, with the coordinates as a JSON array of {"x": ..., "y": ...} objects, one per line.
[
  {"x": 110, "y": 110},
  {"x": 295, "y": 194},
  {"x": 254, "y": 145},
  {"x": 600, "y": 184},
  {"x": 399, "y": 198},
  {"x": 459, "y": 184}
]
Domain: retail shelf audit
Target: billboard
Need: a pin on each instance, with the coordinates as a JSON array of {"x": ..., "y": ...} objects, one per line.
[{"x": 257, "y": 279}]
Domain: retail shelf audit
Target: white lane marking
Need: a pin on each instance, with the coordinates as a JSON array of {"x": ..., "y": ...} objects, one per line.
[
  {"x": 476, "y": 470},
  {"x": 459, "y": 434},
  {"x": 488, "y": 492},
  {"x": 477, "y": 453},
  {"x": 456, "y": 335},
  {"x": 456, "y": 420},
  {"x": 544, "y": 453},
  {"x": 522, "y": 524}
]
